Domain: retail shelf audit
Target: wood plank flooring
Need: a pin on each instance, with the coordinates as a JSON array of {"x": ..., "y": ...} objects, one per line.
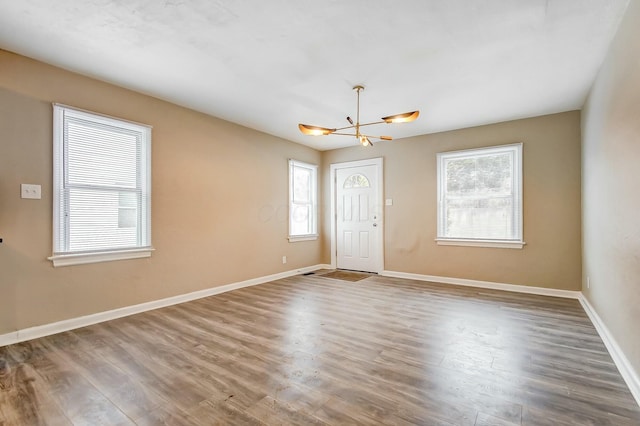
[{"x": 310, "y": 350}]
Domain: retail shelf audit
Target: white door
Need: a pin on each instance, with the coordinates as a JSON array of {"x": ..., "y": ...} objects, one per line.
[{"x": 358, "y": 217}]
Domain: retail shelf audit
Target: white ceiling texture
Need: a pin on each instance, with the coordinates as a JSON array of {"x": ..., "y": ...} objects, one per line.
[{"x": 270, "y": 65}]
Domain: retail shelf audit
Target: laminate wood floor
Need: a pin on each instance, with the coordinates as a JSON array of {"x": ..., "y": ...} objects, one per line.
[{"x": 312, "y": 350}]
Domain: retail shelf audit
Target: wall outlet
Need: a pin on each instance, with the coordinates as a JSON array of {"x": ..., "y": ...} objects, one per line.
[
  {"x": 33, "y": 192},
  {"x": 284, "y": 259}
]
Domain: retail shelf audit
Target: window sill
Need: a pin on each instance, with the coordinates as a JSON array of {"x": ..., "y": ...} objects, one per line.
[
  {"x": 295, "y": 239},
  {"x": 95, "y": 257},
  {"x": 481, "y": 243}
]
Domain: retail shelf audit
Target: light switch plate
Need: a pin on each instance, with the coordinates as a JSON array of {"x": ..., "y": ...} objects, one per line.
[{"x": 33, "y": 192}]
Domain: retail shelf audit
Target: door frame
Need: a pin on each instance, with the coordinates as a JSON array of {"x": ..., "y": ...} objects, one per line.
[{"x": 379, "y": 250}]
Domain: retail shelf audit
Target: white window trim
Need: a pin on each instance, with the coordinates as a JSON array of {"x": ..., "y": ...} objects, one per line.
[
  {"x": 296, "y": 238},
  {"x": 60, "y": 258},
  {"x": 516, "y": 243},
  {"x": 480, "y": 243},
  {"x": 95, "y": 257},
  {"x": 314, "y": 201}
]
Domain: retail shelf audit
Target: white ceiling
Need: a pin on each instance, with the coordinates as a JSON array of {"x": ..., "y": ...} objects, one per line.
[{"x": 269, "y": 65}]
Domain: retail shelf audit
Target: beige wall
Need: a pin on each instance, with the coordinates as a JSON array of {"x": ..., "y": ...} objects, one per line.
[
  {"x": 220, "y": 195},
  {"x": 219, "y": 201},
  {"x": 611, "y": 188},
  {"x": 551, "y": 163}
]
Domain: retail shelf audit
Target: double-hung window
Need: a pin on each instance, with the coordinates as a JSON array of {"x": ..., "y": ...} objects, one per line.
[
  {"x": 101, "y": 189},
  {"x": 480, "y": 197},
  {"x": 303, "y": 210}
]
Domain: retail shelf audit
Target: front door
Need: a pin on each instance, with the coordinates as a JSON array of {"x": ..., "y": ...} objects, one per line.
[{"x": 358, "y": 218}]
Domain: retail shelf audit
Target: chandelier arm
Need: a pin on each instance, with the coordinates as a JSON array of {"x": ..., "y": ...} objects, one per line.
[
  {"x": 348, "y": 127},
  {"x": 372, "y": 123},
  {"x": 383, "y": 137},
  {"x": 361, "y": 125},
  {"x": 360, "y": 135}
]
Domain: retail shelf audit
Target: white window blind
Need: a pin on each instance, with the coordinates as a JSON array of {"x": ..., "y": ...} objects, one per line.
[
  {"x": 302, "y": 200},
  {"x": 480, "y": 196},
  {"x": 102, "y": 184}
]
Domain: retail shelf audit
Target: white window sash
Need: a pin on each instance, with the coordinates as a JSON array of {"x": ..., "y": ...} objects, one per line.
[
  {"x": 515, "y": 150},
  {"x": 62, "y": 253},
  {"x": 311, "y": 203}
]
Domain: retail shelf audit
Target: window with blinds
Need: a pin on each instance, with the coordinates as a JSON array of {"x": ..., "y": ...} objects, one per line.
[
  {"x": 102, "y": 188},
  {"x": 480, "y": 197},
  {"x": 302, "y": 201}
]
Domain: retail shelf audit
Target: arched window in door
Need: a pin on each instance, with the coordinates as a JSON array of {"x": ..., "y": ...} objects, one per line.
[{"x": 356, "y": 181}]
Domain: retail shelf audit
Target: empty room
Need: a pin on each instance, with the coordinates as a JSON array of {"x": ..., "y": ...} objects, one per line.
[{"x": 296, "y": 212}]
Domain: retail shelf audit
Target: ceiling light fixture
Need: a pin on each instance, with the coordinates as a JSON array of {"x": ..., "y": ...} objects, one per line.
[{"x": 364, "y": 140}]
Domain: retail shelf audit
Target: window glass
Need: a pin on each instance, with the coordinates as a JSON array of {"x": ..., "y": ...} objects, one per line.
[{"x": 356, "y": 181}]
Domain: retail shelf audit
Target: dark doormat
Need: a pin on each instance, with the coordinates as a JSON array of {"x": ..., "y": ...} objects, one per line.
[{"x": 347, "y": 275}]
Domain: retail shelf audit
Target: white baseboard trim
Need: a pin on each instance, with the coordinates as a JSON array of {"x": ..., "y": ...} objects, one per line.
[
  {"x": 624, "y": 366},
  {"x": 567, "y": 294},
  {"x": 73, "y": 323},
  {"x": 8, "y": 339}
]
